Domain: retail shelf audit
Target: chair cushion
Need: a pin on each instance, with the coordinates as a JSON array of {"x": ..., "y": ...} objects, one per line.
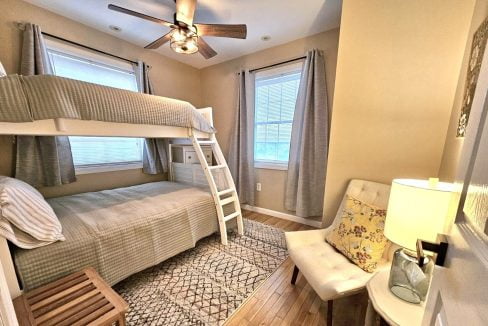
[
  {"x": 373, "y": 193},
  {"x": 327, "y": 271},
  {"x": 360, "y": 234}
]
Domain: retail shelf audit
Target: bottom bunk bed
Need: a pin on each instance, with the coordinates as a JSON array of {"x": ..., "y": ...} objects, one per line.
[{"x": 120, "y": 232}]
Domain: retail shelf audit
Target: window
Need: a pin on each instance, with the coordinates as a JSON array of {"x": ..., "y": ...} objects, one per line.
[
  {"x": 97, "y": 154},
  {"x": 70, "y": 66},
  {"x": 275, "y": 97}
]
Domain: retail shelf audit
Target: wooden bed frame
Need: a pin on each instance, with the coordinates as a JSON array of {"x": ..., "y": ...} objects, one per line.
[{"x": 9, "y": 285}]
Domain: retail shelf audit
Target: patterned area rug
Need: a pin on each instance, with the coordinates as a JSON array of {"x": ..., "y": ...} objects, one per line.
[{"x": 204, "y": 285}]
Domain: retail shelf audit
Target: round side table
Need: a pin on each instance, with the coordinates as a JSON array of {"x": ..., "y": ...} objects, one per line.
[{"x": 393, "y": 310}]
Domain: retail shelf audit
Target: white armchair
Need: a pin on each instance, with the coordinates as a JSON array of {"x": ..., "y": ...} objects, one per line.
[{"x": 327, "y": 271}]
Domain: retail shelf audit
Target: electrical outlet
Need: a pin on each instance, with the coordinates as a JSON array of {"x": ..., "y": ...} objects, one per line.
[{"x": 258, "y": 186}]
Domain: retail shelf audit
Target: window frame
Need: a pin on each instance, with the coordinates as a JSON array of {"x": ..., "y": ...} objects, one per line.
[
  {"x": 87, "y": 55},
  {"x": 282, "y": 70},
  {"x": 78, "y": 53}
]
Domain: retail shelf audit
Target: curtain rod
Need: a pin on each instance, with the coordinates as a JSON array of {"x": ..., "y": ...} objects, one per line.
[
  {"x": 278, "y": 64},
  {"x": 89, "y": 48}
]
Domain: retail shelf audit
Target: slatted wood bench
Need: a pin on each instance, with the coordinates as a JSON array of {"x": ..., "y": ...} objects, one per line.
[{"x": 82, "y": 298}]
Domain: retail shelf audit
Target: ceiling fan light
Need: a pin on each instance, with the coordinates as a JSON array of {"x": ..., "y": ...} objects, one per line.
[
  {"x": 188, "y": 45},
  {"x": 179, "y": 35}
]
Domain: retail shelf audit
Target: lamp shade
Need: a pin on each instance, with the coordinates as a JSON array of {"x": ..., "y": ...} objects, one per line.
[{"x": 417, "y": 209}]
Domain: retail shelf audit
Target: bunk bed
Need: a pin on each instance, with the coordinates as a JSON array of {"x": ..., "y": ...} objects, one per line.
[{"x": 55, "y": 106}]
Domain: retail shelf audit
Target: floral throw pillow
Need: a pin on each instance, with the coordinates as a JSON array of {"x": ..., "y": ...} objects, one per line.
[{"x": 359, "y": 235}]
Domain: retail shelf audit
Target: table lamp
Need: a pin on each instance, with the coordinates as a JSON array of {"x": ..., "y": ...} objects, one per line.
[{"x": 419, "y": 213}]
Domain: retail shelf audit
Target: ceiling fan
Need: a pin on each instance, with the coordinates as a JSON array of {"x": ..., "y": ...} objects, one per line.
[{"x": 186, "y": 36}]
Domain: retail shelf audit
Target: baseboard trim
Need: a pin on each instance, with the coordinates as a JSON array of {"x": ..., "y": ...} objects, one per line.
[{"x": 284, "y": 216}]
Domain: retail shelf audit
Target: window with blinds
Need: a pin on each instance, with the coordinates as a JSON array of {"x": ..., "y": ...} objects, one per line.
[
  {"x": 90, "y": 151},
  {"x": 97, "y": 154},
  {"x": 275, "y": 97},
  {"x": 70, "y": 66}
]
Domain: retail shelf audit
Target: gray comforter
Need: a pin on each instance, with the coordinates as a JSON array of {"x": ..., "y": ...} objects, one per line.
[
  {"x": 30, "y": 98},
  {"x": 120, "y": 231}
]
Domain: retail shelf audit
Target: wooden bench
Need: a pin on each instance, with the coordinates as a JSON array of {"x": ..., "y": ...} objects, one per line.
[{"x": 82, "y": 298}]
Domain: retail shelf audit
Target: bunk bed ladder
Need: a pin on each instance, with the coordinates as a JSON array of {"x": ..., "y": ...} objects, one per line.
[{"x": 223, "y": 197}]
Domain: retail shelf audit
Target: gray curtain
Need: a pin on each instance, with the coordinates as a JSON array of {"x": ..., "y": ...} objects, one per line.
[
  {"x": 142, "y": 76},
  {"x": 241, "y": 154},
  {"x": 155, "y": 153},
  {"x": 307, "y": 163},
  {"x": 41, "y": 161}
]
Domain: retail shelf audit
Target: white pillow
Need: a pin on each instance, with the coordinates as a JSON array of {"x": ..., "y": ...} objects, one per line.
[{"x": 26, "y": 218}]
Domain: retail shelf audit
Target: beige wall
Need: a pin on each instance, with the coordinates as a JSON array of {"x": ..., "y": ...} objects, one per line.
[
  {"x": 453, "y": 145},
  {"x": 169, "y": 78},
  {"x": 219, "y": 91},
  {"x": 397, "y": 73}
]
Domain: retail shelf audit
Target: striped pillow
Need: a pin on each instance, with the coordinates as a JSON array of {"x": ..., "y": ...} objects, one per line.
[{"x": 26, "y": 218}]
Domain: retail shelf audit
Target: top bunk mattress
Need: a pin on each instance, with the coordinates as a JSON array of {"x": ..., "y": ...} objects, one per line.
[
  {"x": 120, "y": 231},
  {"x": 41, "y": 97}
]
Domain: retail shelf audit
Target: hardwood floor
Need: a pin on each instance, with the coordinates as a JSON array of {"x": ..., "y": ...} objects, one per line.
[{"x": 277, "y": 302}]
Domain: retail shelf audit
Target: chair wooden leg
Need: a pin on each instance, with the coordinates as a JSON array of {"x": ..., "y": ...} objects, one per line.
[
  {"x": 294, "y": 276},
  {"x": 329, "y": 312}
]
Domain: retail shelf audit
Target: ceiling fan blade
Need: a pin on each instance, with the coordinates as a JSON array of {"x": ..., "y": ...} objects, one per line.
[
  {"x": 160, "y": 41},
  {"x": 222, "y": 30},
  {"x": 205, "y": 49},
  {"x": 185, "y": 10},
  {"x": 139, "y": 15}
]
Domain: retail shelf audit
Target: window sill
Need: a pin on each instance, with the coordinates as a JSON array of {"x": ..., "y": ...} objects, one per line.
[
  {"x": 107, "y": 168},
  {"x": 271, "y": 166}
]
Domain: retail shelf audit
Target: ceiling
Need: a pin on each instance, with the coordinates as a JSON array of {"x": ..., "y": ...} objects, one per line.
[{"x": 282, "y": 20}]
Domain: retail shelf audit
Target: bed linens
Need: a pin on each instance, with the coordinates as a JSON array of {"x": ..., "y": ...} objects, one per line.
[
  {"x": 120, "y": 231},
  {"x": 13, "y": 103},
  {"x": 40, "y": 97}
]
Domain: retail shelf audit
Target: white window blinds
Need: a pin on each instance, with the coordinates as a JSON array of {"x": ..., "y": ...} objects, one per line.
[
  {"x": 96, "y": 154},
  {"x": 89, "y": 151},
  {"x": 70, "y": 66},
  {"x": 275, "y": 99}
]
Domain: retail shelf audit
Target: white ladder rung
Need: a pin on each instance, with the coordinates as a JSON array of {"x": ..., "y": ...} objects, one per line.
[
  {"x": 227, "y": 200},
  {"x": 206, "y": 142},
  {"x": 214, "y": 167},
  {"x": 231, "y": 216},
  {"x": 225, "y": 192}
]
